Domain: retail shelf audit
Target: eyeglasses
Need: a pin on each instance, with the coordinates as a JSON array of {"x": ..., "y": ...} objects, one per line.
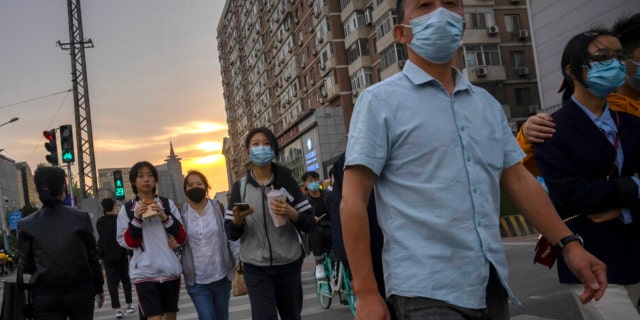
[{"x": 606, "y": 57}]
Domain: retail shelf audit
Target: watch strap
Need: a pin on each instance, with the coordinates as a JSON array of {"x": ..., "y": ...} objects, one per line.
[{"x": 566, "y": 240}]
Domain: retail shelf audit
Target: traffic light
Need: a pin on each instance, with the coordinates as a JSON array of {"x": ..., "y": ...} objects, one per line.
[
  {"x": 66, "y": 144},
  {"x": 119, "y": 186},
  {"x": 52, "y": 146}
]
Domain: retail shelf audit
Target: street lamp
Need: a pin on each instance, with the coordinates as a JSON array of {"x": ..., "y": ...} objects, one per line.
[{"x": 14, "y": 119}]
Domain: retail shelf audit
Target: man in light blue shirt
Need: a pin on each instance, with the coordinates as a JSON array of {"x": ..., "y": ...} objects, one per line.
[{"x": 438, "y": 149}]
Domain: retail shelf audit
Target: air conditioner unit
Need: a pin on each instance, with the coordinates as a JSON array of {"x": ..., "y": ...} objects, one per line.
[
  {"x": 290, "y": 50},
  {"x": 303, "y": 65},
  {"x": 281, "y": 9},
  {"x": 493, "y": 30},
  {"x": 305, "y": 90},
  {"x": 482, "y": 71},
  {"x": 314, "y": 52},
  {"x": 523, "y": 71},
  {"x": 322, "y": 66},
  {"x": 286, "y": 28},
  {"x": 523, "y": 34},
  {"x": 367, "y": 16},
  {"x": 319, "y": 39},
  {"x": 323, "y": 101},
  {"x": 300, "y": 43},
  {"x": 354, "y": 92},
  {"x": 401, "y": 63}
]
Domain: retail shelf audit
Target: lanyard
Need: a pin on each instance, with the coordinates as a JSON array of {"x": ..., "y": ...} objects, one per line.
[{"x": 616, "y": 144}]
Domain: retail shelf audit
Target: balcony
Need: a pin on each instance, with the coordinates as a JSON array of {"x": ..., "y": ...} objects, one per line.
[
  {"x": 382, "y": 9},
  {"x": 480, "y": 36},
  {"x": 485, "y": 73},
  {"x": 362, "y": 61},
  {"x": 359, "y": 33},
  {"x": 333, "y": 92},
  {"x": 353, "y": 6}
]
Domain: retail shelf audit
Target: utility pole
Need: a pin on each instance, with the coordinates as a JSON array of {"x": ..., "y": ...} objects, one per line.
[{"x": 84, "y": 133}]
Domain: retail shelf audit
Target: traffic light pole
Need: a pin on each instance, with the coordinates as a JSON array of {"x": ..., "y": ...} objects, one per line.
[{"x": 71, "y": 200}]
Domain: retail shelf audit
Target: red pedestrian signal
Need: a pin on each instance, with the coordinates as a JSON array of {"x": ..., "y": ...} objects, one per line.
[{"x": 51, "y": 146}]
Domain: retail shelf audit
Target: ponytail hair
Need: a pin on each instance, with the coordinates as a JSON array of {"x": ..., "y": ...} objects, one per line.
[{"x": 50, "y": 182}]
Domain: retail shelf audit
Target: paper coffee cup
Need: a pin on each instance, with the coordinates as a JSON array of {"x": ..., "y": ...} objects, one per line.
[{"x": 278, "y": 220}]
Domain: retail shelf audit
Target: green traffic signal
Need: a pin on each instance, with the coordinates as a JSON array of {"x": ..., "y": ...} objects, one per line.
[
  {"x": 66, "y": 143},
  {"x": 67, "y": 156}
]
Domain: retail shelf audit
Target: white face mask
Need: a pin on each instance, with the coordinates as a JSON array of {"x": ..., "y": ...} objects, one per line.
[{"x": 437, "y": 35}]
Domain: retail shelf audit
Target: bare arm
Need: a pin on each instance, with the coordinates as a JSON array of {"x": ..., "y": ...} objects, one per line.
[
  {"x": 535, "y": 205},
  {"x": 356, "y": 189}
]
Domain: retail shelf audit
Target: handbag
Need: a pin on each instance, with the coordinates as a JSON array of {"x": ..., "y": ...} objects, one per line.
[
  {"x": 238, "y": 287},
  {"x": 16, "y": 300},
  {"x": 545, "y": 251}
]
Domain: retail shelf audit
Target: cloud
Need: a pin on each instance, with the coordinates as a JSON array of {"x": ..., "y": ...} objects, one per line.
[{"x": 197, "y": 127}]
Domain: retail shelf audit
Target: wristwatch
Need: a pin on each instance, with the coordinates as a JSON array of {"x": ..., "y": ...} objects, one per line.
[{"x": 570, "y": 238}]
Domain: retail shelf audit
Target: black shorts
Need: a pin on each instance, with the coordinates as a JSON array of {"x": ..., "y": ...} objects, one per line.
[{"x": 156, "y": 298}]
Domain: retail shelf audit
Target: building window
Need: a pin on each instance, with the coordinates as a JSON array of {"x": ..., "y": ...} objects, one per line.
[
  {"x": 523, "y": 97},
  {"x": 385, "y": 25},
  {"x": 390, "y": 55},
  {"x": 358, "y": 49},
  {"x": 479, "y": 17},
  {"x": 363, "y": 77},
  {"x": 353, "y": 22},
  {"x": 517, "y": 59},
  {"x": 478, "y": 55},
  {"x": 512, "y": 23},
  {"x": 377, "y": 3},
  {"x": 344, "y": 3}
]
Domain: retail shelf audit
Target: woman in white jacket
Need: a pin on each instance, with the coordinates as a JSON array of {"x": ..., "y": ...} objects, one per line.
[{"x": 146, "y": 225}]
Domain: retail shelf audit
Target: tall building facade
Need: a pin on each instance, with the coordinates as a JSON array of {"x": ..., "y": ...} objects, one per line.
[{"x": 298, "y": 66}]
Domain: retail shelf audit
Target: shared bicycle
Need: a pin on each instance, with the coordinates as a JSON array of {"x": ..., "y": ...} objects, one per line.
[{"x": 337, "y": 281}]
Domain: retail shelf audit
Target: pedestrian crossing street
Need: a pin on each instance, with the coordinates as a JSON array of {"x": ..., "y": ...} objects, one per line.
[{"x": 240, "y": 308}]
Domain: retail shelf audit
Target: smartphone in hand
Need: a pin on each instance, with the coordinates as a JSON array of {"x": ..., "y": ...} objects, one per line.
[{"x": 242, "y": 206}]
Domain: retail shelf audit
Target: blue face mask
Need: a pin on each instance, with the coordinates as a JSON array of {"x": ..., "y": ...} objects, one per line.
[
  {"x": 313, "y": 186},
  {"x": 605, "y": 79},
  {"x": 634, "y": 81},
  {"x": 261, "y": 156},
  {"x": 437, "y": 35}
]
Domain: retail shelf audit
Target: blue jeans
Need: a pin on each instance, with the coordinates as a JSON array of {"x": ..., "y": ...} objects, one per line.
[{"x": 212, "y": 299}]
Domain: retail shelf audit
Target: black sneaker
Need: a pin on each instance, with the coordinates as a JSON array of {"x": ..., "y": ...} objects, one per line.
[{"x": 119, "y": 314}]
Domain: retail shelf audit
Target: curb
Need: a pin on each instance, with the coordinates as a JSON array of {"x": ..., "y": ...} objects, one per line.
[{"x": 515, "y": 226}]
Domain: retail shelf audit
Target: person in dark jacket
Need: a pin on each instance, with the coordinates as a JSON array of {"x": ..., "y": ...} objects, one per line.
[
  {"x": 320, "y": 201},
  {"x": 591, "y": 168},
  {"x": 115, "y": 258},
  {"x": 59, "y": 251},
  {"x": 271, "y": 255}
]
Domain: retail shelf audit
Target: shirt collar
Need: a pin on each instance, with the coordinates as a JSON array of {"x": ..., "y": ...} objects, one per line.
[
  {"x": 419, "y": 76},
  {"x": 604, "y": 118}
]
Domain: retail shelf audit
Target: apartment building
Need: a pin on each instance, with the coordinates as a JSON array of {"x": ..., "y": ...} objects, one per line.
[{"x": 297, "y": 67}]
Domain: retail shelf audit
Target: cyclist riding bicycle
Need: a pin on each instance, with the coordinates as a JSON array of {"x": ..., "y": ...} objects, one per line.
[{"x": 320, "y": 201}]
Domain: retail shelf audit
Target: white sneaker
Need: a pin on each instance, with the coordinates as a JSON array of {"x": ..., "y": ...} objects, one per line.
[
  {"x": 119, "y": 314},
  {"x": 320, "y": 272}
]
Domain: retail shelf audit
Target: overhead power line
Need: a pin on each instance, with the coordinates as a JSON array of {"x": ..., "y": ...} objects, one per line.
[{"x": 38, "y": 98}]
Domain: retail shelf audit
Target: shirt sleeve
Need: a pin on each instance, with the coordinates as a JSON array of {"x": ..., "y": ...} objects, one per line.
[{"x": 368, "y": 134}]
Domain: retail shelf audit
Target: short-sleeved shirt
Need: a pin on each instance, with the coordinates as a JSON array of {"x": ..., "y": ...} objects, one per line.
[{"x": 438, "y": 160}]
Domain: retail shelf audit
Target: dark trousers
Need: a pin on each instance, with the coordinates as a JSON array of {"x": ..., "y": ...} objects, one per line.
[
  {"x": 118, "y": 271},
  {"x": 274, "y": 290},
  {"x": 418, "y": 308},
  {"x": 320, "y": 240},
  {"x": 76, "y": 306}
]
